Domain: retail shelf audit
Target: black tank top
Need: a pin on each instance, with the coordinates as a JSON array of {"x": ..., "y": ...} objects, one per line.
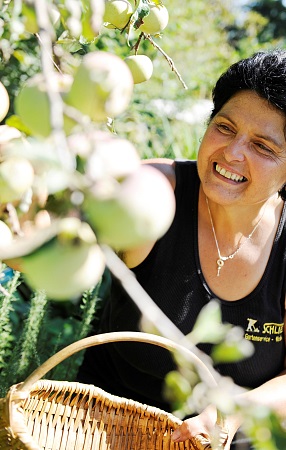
[{"x": 172, "y": 276}]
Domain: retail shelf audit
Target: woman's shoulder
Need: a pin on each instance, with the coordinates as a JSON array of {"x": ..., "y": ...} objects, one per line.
[{"x": 173, "y": 169}]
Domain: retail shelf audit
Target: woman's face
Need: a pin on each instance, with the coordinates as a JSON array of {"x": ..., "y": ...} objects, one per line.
[{"x": 242, "y": 157}]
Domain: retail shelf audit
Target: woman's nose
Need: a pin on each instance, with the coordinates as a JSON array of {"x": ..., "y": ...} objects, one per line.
[{"x": 235, "y": 150}]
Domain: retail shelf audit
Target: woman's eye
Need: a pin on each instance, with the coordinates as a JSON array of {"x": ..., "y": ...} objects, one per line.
[
  {"x": 224, "y": 128},
  {"x": 264, "y": 148},
  {"x": 266, "y": 151}
]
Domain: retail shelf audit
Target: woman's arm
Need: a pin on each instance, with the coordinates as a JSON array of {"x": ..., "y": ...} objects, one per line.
[{"x": 271, "y": 394}]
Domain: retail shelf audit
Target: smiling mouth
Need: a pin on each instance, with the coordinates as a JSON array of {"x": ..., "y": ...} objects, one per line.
[{"x": 229, "y": 175}]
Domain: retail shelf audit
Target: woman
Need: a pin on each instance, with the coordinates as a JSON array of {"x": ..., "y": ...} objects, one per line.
[{"x": 227, "y": 241}]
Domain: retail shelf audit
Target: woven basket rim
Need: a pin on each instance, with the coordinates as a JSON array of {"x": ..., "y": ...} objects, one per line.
[
  {"x": 95, "y": 391},
  {"x": 18, "y": 427}
]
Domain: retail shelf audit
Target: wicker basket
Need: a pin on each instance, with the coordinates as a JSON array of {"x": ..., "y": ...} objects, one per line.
[{"x": 56, "y": 415}]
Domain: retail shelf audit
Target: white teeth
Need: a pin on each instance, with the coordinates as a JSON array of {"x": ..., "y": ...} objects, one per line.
[{"x": 227, "y": 174}]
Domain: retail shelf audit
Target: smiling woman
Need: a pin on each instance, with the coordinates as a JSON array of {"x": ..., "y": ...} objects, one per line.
[
  {"x": 227, "y": 242},
  {"x": 244, "y": 146}
]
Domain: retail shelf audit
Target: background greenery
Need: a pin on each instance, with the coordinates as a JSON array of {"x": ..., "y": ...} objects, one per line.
[{"x": 202, "y": 39}]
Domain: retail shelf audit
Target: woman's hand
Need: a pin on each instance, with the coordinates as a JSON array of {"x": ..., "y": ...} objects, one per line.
[{"x": 204, "y": 429}]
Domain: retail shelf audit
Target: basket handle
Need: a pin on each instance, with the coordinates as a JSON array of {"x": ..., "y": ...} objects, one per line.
[{"x": 118, "y": 336}]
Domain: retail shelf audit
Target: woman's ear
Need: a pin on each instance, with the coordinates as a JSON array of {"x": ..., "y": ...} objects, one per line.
[{"x": 282, "y": 192}]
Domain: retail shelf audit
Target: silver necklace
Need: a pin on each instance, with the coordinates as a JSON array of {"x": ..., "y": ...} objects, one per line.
[{"x": 221, "y": 259}]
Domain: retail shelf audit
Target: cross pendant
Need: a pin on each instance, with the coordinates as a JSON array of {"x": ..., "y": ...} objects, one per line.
[{"x": 220, "y": 263}]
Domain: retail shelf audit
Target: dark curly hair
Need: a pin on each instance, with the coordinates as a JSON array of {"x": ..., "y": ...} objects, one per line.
[{"x": 264, "y": 73}]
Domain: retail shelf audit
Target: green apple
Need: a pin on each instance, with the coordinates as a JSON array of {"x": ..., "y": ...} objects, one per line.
[
  {"x": 102, "y": 86},
  {"x": 4, "y": 102},
  {"x": 140, "y": 66},
  {"x": 139, "y": 210},
  {"x": 156, "y": 20},
  {"x": 8, "y": 134},
  {"x": 16, "y": 177},
  {"x": 33, "y": 104},
  {"x": 104, "y": 154},
  {"x": 111, "y": 157},
  {"x": 66, "y": 265},
  {"x": 117, "y": 13}
]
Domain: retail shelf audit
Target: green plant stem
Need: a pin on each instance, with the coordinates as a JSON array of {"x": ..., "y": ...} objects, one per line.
[{"x": 27, "y": 347}]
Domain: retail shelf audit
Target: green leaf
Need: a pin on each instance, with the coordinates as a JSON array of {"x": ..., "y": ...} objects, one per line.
[
  {"x": 15, "y": 121},
  {"x": 234, "y": 348},
  {"x": 20, "y": 55},
  {"x": 209, "y": 327},
  {"x": 228, "y": 352},
  {"x": 29, "y": 18},
  {"x": 86, "y": 22},
  {"x": 177, "y": 388},
  {"x": 137, "y": 17}
]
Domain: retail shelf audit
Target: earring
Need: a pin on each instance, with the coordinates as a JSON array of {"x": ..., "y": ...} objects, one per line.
[{"x": 282, "y": 192}]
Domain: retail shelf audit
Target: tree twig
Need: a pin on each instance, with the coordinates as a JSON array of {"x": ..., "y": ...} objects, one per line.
[
  {"x": 136, "y": 45},
  {"x": 46, "y": 34},
  {"x": 167, "y": 57},
  {"x": 13, "y": 219}
]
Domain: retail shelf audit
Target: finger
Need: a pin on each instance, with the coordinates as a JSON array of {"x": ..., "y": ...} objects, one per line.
[
  {"x": 201, "y": 442},
  {"x": 187, "y": 430},
  {"x": 220, "y": 438},
  {"x": 223, "y": 437}
]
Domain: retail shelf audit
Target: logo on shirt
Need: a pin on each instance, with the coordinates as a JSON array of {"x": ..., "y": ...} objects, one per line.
[
  {"x": 251, "y": 325},
  {"x": 268, "y": 332}
]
